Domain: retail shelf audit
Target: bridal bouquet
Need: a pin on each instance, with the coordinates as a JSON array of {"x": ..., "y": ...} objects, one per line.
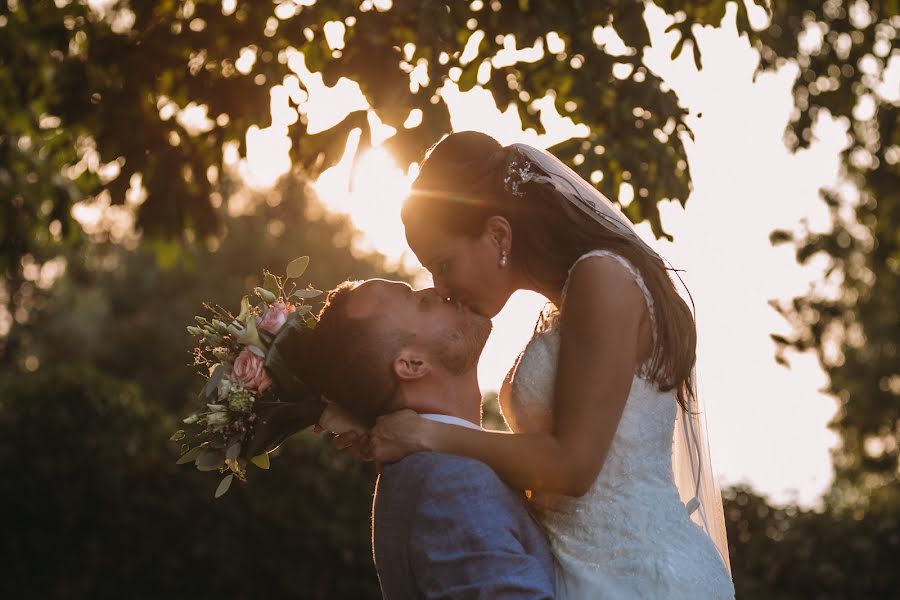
[{"x": 255, "y": 395}]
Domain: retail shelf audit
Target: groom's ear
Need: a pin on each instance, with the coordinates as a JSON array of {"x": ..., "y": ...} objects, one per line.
[{"x": 410, "y": 365}]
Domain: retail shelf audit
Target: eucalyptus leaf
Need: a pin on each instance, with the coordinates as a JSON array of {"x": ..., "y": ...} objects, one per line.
[
  {"x": 261, "y": 461},
  {"x": 210, "y": 390},
  {"x": 210, "y": 460},
  {"x": 270, "y": 283},
  {"x": 191, "y": 455},
  {"x": 293, "y": 322},
  {"x": 233, "y": 451},
  {"x": 256, "y": 351},
  {"x": 224, "y": 485},
  {"x": 265, "y": 294},
  {"x": 307, "y": 293},
  {"x": 297, "y": 267}
]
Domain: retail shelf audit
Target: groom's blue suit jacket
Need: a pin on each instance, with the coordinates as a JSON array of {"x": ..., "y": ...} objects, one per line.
[{"x": 448, "y": 527}]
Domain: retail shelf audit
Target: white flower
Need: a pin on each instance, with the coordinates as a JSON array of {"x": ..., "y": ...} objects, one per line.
[
  {"x": 217, "y": 419},
  {"x": 225, "y": 388}
]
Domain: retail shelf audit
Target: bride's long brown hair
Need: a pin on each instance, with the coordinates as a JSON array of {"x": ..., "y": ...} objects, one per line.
[{"x": 461, "y": 185}]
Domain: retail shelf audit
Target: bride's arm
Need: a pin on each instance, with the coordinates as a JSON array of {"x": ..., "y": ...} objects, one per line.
[{"x": 601, "y": 334}]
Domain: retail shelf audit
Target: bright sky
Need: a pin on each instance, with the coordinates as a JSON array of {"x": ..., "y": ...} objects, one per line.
[{"x": 767, "y": 424}]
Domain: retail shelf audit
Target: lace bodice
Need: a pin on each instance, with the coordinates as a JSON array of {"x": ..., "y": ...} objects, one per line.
[{"x": 629, "y": 536}]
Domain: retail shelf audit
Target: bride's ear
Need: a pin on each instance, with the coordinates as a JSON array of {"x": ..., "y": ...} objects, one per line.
[
  {"x": 410, "y": 366},
  {"x": 499, "y": 231}
]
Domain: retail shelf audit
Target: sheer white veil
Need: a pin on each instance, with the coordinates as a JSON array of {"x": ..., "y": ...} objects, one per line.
[{"x": 691, "y": 463}]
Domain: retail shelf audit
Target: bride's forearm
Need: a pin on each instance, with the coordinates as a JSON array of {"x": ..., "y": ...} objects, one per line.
[{"x": 527, "y": 461}]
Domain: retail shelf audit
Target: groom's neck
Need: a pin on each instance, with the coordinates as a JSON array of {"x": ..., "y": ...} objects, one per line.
[{"x": 458, "y": 396}]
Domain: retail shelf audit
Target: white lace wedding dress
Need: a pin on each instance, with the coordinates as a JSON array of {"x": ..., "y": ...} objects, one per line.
[{"x": 630, "y": 536}]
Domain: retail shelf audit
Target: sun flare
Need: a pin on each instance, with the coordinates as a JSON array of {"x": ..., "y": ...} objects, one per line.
[{"x": 370, "y": 187}]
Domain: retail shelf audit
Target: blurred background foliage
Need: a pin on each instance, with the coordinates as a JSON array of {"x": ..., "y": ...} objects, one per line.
[
  {"x": 94, "y": 363},
  {"x": 101, "y": 508}
]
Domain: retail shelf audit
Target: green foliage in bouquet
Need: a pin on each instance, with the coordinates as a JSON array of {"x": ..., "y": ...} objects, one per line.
[{"x": 254, "y": 396}]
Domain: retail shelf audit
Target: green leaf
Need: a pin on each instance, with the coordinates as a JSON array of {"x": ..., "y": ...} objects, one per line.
[
  {"x": 224, "y": 485},
  {"x": 297, "y": 267},
  {"x": 250, "y": 336},
  {"x": 261, "y": 461},
  {"x": 177, "y": 436},
  {"x": 210, "y": 460},
  {"x": 210, "y": 390},
  {"x": 191, "y": 455},
  {"x": 245, "y": 309},
  {"x": 679, "y": 45},
  {"x": 307, "y": 293},
  {"x": 270, "y": 283},
  {"x": 233, "y": 451},
  {"x": 265, "y": 294}
]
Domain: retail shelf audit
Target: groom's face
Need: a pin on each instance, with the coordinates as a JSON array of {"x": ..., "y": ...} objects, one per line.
[{"x": 449, "y": 333}]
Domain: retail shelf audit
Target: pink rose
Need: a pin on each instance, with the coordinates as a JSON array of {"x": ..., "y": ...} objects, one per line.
[
  {"x": 274, "y": 317},
  {"x": 248, "y": 371}
]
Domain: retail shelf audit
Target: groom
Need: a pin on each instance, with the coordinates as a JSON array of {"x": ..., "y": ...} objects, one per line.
[{"x": 442, "y": 526}]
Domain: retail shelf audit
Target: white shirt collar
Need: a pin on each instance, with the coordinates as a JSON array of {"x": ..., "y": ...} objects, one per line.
[{"x": 449, "y": 419}]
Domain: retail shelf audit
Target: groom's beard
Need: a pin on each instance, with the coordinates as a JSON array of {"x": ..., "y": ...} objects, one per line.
[{"x": 461, "y": 347}]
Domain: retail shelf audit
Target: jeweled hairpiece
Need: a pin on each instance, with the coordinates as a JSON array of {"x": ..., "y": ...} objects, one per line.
[{"x": 519, "y": 171}]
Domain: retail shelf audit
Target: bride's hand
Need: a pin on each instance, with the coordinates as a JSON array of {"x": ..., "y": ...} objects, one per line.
[
  {"x": 397, "y": 435},
  {"x": 344, "y": 432},
  {"x": 358, "y": 445}
]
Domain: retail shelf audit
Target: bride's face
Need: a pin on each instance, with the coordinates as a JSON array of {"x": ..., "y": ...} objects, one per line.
[{"x": 465, "y": 269}]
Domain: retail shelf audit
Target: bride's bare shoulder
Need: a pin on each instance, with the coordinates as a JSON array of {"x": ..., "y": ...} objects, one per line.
[
  {"x": 601, "y": 293},
  {"x": 603, "y": 277}
]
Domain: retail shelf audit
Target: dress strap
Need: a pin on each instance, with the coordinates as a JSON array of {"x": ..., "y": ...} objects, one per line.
[{"x": 648, "y": 298}]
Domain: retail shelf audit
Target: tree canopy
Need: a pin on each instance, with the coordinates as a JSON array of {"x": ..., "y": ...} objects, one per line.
[
  {"x": 90, "y": 95},
  {"x": 852, "y": 319}
]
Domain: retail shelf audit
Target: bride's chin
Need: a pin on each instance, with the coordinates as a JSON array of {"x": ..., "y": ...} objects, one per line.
[
  {"x": 481, "y": 308},
  {"x": 483, "y": 311}
]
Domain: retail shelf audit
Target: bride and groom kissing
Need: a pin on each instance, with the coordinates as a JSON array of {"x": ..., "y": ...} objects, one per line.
[{"x": 605, "y": 436}]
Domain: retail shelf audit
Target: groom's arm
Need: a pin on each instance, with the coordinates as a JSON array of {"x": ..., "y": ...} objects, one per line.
[{"x": 465, "y": 538}]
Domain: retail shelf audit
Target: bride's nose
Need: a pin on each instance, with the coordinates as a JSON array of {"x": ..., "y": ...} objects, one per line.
[
  {"x": 442, "y": 290},
  {"x": 439, "y": 296}
]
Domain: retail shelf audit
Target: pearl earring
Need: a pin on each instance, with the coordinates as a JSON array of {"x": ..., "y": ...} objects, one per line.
[{"x": 504, "y": 259}]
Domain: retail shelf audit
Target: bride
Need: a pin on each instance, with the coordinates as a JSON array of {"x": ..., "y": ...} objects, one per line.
[{"x": 601, "y": 402}]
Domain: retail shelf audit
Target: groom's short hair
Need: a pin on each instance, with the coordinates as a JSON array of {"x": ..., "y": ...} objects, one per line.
[{"x": 354, "y": 357}]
